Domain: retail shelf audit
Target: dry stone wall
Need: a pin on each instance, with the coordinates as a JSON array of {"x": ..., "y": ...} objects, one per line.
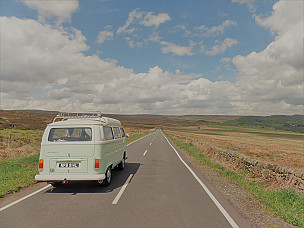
[{"x": 276, "y": 175}]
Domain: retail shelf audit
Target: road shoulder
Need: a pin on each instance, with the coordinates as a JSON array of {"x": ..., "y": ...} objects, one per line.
[{"x": 248, "y": 206}]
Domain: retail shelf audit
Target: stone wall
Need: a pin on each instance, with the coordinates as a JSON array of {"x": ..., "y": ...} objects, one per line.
[{"x": 276, "y": 175}]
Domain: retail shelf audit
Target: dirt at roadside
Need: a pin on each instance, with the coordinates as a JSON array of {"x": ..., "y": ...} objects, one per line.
[{"x": 245, "y": 202}]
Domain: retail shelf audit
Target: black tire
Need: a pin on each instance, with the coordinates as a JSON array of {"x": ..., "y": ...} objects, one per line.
[
  {"x": 122, "y": 164},
  {"x": 55, "y": 184},
  {"x": 107, "y": 181}
]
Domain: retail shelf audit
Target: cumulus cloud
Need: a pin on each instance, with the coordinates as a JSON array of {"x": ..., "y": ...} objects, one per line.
[
  {"x": 62, "y": 10},
  {"x": 249, "y": 3},
  {"x": 43, "y": 67},
  {"x": 274, "y": 76},
  {"x": 220, "y": 47},
  {"x": 132, "y": 17},
  {"x": 155, "y": 20},
  {"x": 65, "y": 79},
  {"x": 216, "y": 30},
  {"x": 176, "y": 49},
  {"x": 104, "y": 35},
  {"x": 142, "y": 18}
]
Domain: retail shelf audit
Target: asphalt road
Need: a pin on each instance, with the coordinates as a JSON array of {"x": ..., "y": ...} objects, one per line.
[{"x": 155, "y": 189}]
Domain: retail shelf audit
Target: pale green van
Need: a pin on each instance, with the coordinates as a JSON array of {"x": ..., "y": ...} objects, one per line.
[{"x": 81, "y": 148}]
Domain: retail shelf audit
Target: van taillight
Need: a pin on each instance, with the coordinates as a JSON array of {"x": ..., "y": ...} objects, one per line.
[
  {"x": 40, "y": 164},
  {"x": 96, "y": 163}
]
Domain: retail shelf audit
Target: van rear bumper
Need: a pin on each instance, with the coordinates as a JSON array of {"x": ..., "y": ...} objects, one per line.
[{"x": 69, "y": 177}]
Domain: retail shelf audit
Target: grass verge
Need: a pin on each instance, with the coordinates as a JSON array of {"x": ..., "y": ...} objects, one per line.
[
  {"x": 134, "y": 137},
  {"x": 16, "y": 173},
  {"x": 284, "y": 203}
]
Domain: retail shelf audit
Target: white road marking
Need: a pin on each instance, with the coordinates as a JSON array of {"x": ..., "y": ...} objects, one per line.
[
  {"x": 150, "y": 143},
  {"x": 25, "y": 197},
  {"x": 122, "y": 189},
  {"x": 224, "y": 212},
  {"x": 145, "y": 152},
  {"x": 138, "y": 139}
]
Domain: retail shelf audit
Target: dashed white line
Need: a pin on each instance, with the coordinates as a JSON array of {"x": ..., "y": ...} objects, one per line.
[
  {"x": 145, "y": 152},
  {"x": 219, "y": 206},
  {"x": 25, "y": 197},
  {"x": 139, "y": 139},
  {"x": 39, "y": 190},
  {"x": 122, "y": 189}
]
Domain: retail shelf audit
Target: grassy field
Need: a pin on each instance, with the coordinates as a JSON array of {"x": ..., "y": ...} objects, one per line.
[
  {"x": 285, "y": 203},
  {"x": 284, "y": 148},
  {"x": 20, "y": 145}
]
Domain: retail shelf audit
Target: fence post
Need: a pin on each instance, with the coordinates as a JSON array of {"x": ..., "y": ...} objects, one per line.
[{"x": 9, "y": 141}]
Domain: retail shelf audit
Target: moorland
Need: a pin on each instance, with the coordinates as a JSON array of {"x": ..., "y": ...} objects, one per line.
[{"x": 275, "y": 139}]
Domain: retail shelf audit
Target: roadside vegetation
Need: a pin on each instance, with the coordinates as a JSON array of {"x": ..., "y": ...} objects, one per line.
[
  {"x": 293, "y": 123},
  {"x": 275, "y": 139},
  {"x": 285, "y": 203},
  {"x": 136, "y": 134}
]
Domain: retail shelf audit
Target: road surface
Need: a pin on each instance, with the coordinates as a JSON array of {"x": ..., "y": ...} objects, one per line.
[{"x": 156, "y": 189}]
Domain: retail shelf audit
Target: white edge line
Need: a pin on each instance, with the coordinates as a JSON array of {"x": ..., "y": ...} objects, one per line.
[
  {"x": 122, "y": 189},
  {"x": 224, "y": 212},
  {"x": 25, "y": 197},
  {"x": 145, "y": 152}
]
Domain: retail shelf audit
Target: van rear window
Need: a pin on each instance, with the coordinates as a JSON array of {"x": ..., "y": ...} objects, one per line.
[{"x": 70, "y": 134}]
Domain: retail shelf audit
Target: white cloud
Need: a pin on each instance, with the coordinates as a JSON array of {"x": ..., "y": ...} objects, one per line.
[
  {"x": 220, "y": 47},
  {"x": 137, "y": 20},
  {"x": 274, "y": 76},
  {"x": 104, "y": 35},
  {"x": 249, "y": 3},
  {"x": 176, "y": 49},
  {"x": 62, "y": 10},
  {"x": 43, "y": 67},
  {"x": 133, "y": 17},
  {"x": 137, "y": 17},
  {"x": 155, "y": 20},
  {"x": 216, "y": 30},
  {"x": 53, "y": 64},
  {"x": 278, "y": 24}
]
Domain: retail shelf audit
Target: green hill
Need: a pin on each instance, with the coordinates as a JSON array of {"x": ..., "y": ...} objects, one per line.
[{"x": 293, "y": 123}]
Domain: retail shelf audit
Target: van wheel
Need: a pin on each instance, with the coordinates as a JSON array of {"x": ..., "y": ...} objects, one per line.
[
  {"x": 107, "y": 181},
  {"x": 122, "y": 164}
]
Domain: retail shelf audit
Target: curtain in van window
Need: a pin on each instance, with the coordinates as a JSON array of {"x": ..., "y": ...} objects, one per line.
[
  {"x": 116, "y": 132},
  {"x": 108, "y": 134}
]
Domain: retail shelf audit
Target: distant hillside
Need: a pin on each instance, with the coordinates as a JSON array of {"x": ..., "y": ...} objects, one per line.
[
  {"x": 25, "y": 119},
  {"x": 293, "y": 123}
]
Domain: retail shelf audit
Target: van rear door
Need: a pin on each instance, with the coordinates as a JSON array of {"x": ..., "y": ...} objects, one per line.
[{"x": 69, "y": 149}]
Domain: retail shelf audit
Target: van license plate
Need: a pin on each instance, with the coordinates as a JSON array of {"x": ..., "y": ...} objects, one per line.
[{"x": 68, "y": 165}]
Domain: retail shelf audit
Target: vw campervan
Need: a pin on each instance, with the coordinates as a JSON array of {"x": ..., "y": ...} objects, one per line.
[{"x": 82, "y": 147}]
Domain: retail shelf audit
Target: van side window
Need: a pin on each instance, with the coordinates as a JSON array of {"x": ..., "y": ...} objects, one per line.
[
  {"x": 116, "y": 132},
  {"x": 122, "y": 132},
  {"x": 108, "y": 133}
]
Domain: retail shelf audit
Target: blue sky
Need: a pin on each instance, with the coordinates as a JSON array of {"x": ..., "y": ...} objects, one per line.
[{"x": 201, "y": 45}]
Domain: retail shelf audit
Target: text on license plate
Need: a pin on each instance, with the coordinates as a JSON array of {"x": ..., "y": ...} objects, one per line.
[{"x": 68, "y": 165}]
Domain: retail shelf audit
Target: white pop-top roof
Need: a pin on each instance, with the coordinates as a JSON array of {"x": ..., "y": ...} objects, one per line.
[{"x": 105, "y": 121}]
